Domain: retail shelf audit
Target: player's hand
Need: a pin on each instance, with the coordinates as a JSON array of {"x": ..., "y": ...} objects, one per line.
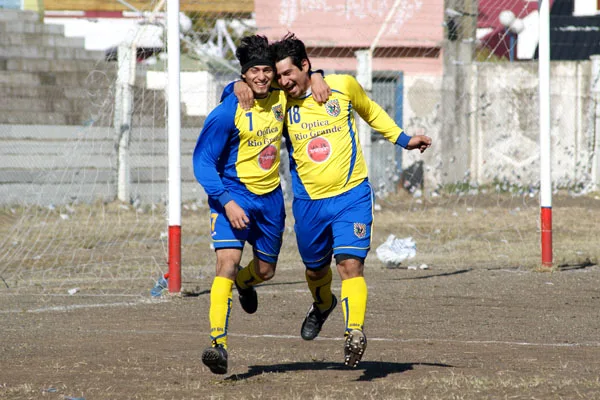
[
  {"x": 244, "y": 94},
  {"x": 320, "y": 89},
  {"x": 420, "y": 142},
  {"x": 236, "y": 215}
]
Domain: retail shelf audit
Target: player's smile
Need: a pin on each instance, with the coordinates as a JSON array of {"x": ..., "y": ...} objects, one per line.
[{"x": 290, "y": 89}]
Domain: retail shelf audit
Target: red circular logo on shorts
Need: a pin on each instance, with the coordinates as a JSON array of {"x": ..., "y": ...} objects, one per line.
[
  {"x": 267, "y": 157},
  {"x": 318, "y": 149}
]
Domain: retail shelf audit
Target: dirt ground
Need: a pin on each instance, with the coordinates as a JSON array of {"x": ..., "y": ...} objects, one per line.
[{"x": 481, "y": 322}]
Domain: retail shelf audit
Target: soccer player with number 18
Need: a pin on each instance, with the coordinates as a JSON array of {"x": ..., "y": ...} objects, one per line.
[{"x": 333, "y": 200}]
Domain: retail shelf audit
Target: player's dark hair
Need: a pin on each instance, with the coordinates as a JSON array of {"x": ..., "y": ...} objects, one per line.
[
  {"x": 291, "y": 46},
  {"x": 254, "y": 50}
]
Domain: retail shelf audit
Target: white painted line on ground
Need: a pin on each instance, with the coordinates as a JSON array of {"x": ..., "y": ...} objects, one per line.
[
  {"x": 336, "y": 339},
  {"x": 397, "y": 340},
  {"x": 481, "y": 342},
  {"x": 82, "y": 306}
]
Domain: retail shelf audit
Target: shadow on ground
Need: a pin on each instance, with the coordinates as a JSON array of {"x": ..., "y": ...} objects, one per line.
[
  {"x": 585, "y": 264},
  {"x": 197, "y": 292},
  {"x": 461, "y": 271},
  {"x": 371, "y": 369}
]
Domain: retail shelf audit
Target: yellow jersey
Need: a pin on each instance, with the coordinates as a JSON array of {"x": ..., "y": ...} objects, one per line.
[
  {"x": 239, "y": 149},
  {"x": 326, "y": 158}
]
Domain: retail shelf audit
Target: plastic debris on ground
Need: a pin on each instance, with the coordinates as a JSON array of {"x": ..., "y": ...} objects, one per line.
[
  {"x": 395, "y": 250},
  {"x": 160, "y": 286}
]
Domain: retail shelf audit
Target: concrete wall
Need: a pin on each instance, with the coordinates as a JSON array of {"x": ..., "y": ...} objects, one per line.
[
  {"x": 485, "y": 125},
  {"x": 422, "y": 116},
  {"x": 503, "y": 124},
  {"x": 506, "y": 146}
]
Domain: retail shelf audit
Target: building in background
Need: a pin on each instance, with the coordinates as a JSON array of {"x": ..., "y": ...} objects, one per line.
[
  {"x": 334, "y": 29},
  {"x": 574, "y": 29},
  {"x": 496, "y": 40}
]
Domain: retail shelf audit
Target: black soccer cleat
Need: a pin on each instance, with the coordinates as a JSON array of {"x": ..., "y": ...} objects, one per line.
[
  {"x": 315, "y": 319},
  {"x": 354, "y": 347},
  {"x": 215, "y": 358},
  {"x": 248, "y": 298}
]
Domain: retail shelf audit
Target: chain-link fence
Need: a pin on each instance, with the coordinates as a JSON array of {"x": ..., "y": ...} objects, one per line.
[{"x": 454, "y": 70}]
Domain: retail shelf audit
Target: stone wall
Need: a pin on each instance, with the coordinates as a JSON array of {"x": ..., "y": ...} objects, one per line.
[{"x": 492, "y": 132}]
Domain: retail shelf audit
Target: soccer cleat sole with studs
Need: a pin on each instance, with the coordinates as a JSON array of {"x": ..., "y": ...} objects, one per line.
[
  {"x": 354, "y": 347},
  {"x": 215, "y": 358}
]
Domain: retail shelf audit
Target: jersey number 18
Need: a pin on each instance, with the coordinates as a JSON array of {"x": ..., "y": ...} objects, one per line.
[{"x": 294, "y": 115}]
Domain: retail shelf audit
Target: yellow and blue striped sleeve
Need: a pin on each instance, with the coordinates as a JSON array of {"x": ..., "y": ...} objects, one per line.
[{"x": 374, "y": 115}]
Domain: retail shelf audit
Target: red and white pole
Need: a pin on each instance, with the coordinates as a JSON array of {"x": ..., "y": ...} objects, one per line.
[
  {"x": 174, "y": 145},
  {"x": 545, "y": 138}
]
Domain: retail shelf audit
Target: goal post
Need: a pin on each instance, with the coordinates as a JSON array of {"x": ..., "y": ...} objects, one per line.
[
  {"x": 174, "y": 145},
  {"x": 545, "y": 142}
]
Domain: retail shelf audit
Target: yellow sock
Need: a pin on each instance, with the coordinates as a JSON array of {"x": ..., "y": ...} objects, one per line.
[
  {"x": 354, "y": 302},
  {"x": 247, "y": 277},
  {"x": 321, "y": 291},
  {"x": 220, "y": 308}
]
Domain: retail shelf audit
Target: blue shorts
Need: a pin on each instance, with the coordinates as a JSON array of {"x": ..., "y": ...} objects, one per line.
[
  {"x": 265, "y": 230},
  {"x": 335, "y": 225}
]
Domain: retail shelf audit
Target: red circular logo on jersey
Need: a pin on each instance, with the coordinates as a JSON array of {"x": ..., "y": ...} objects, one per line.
[
  {"x": 267, "y": 157},
  {"x": 318, "y": 149}
]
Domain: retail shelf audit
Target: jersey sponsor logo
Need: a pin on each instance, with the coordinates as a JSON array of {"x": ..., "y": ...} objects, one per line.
[
  {"x": 360, "y": 230},
  {"x": 333, "y": 107},
  {"x": 267, "y": 157},
  {"x": 278, "y": 112},
  {"x": 318, "y": 149}
]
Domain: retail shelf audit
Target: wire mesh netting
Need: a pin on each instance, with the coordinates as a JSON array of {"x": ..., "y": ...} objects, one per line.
[{"x": 83, "y": 181}]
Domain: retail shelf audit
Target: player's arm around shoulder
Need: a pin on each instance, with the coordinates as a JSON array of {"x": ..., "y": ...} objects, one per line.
[
  {"x": 319, "y": 87},
  {"x": 244, "y": 94}
]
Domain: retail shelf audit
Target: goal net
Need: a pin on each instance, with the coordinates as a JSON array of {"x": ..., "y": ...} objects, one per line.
[{"x": 83, "y": 166}]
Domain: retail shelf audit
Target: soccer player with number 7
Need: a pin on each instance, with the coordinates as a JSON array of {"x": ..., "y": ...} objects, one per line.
[
  {"x": 333, "y": 200},
  {"x": 236, "y": 160}
]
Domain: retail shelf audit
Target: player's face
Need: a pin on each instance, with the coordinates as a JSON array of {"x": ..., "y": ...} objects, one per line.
[
  {"x": 293, "y": 80},
  {"x": 259, "y": 79}
]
